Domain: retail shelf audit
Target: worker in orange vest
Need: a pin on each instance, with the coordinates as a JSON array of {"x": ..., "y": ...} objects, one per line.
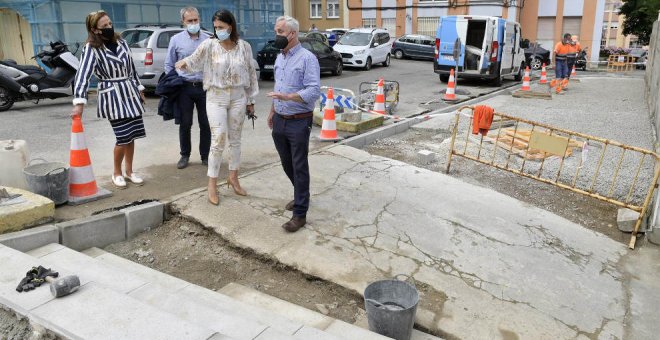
[
  {"x": 575, "y": 49},
  {"x": 562, "y": 50}
]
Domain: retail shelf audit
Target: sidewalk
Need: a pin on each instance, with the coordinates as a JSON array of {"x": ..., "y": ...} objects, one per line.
[{"x": 495, "y": 267}]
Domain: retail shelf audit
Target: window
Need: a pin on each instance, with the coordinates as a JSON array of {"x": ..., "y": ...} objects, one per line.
[
  {"x": 333, "y": 8},
  {"x": 315, "y": 10},
  {"x": 137, "y": 38},
  {"x": 390, "y": 25},
  {"x": 427, "y": 25},
  {"x": 369, "y": 23},
  {"x": 164, "y": 39}
]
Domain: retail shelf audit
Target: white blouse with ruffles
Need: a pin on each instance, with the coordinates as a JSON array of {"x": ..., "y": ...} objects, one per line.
[{"x": 225, "y": 68}]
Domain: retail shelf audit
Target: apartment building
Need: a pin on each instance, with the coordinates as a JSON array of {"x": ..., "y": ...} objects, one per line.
[
  {"x": 324, "y": 14},
  {"x": 612, "y": 34},
  {"x": 544, "y": 21}
]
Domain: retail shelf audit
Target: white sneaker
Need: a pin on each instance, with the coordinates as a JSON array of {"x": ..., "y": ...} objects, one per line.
[
  {"x": 135, "y": 179},
  {"x": 119, "y": 182}
]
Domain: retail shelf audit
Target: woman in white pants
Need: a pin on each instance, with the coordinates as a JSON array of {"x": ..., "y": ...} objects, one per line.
[{"x": 231, "y": 84}]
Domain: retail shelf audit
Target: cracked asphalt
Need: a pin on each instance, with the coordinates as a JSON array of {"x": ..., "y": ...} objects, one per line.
[{"x": 497, "y": 268}]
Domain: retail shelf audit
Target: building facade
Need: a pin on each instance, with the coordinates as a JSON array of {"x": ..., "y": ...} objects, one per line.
[
  {"x": 613, "y": 27},
  {"x": 52, "y": 20},
  {"x": 543, "y": 21},
  {"x": 324, "y": 14}
]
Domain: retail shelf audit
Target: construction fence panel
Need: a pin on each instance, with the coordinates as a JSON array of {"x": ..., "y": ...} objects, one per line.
[{"x": 596, "y": 167}]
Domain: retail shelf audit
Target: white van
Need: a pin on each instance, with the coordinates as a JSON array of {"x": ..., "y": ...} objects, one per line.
[
  {"x": 363, "y": 47},
  {"x": 490, "y": 48}
]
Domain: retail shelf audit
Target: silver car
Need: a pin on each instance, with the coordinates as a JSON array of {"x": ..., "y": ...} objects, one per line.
[{"x": 148, "y": 45}]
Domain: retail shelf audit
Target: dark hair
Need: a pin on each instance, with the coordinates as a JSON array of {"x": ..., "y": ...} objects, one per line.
[
  {"x": 567, "y": 36},
  {"x": 228, "y": 18},
  {"x": 91, "y": 22}
]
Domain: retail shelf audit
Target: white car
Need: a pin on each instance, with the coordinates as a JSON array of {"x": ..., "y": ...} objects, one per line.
[{"x": 363, "y": 47}]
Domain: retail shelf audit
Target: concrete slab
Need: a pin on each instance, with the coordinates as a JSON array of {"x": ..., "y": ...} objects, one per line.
[
  {"x": 279, "y": 322},
  {"x": 33, "y": 210},
  {"x": 95, "y": 231},
  {"x": 143, "y": 217},
  {"x": 91, "y": 269},
  {"x": 168, "y": 282},
  {"x": 626, "y": 220},
  {"x": 313, "y": 333},
  {"x": 32, "y": 238},
  {"x": 91, "y": 313},
  {"x": 220, "y": 320},
  {"x": 482, "y": 264},
  {"x": 271, "y": 333},
  {"x": 13, "y": 266}
]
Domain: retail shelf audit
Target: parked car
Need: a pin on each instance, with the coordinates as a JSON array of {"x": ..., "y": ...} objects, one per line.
[
  {"x": 490, "y": 48},
  {"x": 639, "y": 56},
  {"x": 329, "y": 59},
  {"x": 148, "y": 44},
  {"x": 315, "y": 35},
  {"x": 334, "y": 34},
  {"x": 414, "y": 46},
  {"x": 363, "y": 47},
  {"x": 535, "y": 55}
]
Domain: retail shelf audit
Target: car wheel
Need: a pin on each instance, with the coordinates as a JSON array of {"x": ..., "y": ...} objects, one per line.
[
  {"x": 444, "y": 78},
  {"x": 536, "y": 63},
  {"x": 398, "y": 54},
  {"x": 519, "y": 75},
  {"x": 386, "y": 63},
  {"x": 6, "y": 100},
  {"x": 367, "y": 65},
  {"x": 339, "y": 69}
]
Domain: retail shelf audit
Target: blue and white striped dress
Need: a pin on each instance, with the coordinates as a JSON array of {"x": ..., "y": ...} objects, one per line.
[{"x": 118, "y": 89}]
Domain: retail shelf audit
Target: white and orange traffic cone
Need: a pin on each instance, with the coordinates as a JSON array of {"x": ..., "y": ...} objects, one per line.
[
  {"x": 525, "y": 85},
  {"x": 329, "y": 125},
  {"x": 450, "y": 94},
  {"x": 573, "y": 72},
  {"x": 82, "y": 183},
  {"x": 379, "y": 103},
  {"x": 544, "y": 75}
]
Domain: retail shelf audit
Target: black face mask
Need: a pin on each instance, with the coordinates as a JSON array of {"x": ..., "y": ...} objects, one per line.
[
  {"x": 108, "y": 33},
  {"x": 280, "y": 42}
]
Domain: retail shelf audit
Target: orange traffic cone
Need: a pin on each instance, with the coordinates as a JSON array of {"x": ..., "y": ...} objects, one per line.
[
  {"x": 82, "y": 184},
  {"x": 544, "y": 75},
  {"x": 329, "y": 126},
  {"x": 379, "y": 104},
  {"x": 573, "y": 72},
  {"x": 525, "y": 85},
  {"x": 450, "y": 94}
]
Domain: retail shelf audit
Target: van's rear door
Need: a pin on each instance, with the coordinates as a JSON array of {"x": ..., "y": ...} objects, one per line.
[
  {"x": 508, "y": 48},
  {"x": 451, "y": 27},
  {"x": 490, "y": 45}
]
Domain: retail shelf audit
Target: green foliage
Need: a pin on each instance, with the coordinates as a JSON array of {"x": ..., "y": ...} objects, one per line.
[{"x": 640, "y": 15}]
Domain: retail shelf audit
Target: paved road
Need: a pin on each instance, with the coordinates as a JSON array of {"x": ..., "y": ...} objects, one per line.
[{"x": 46, "y": 128}]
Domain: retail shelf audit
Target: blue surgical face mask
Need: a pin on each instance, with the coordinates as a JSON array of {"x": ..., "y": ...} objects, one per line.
[
  {"x": 193, "y": 28},
  {"x": 222, "y": 35}
]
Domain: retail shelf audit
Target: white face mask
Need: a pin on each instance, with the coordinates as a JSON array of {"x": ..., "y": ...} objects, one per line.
[
  {"x": 222, "y": 35},
  {"x": 192, "y": 28}
]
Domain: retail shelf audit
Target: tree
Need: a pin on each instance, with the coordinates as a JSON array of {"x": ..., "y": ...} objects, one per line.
[{"x": 639, "y": 18}]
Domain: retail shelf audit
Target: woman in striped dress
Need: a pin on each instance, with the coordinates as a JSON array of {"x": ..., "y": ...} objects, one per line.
[{"x": 120, "y": 94}]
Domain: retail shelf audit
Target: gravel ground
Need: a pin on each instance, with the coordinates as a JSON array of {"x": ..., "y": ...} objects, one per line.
[{"x": 13, "y": 327}]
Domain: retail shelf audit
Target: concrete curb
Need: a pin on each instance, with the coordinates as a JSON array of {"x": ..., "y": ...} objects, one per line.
[{"x": 94, "y": 231}]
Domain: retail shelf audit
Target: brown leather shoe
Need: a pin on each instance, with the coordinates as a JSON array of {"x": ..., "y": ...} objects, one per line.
[
  {"x": 294, "y": 224},
  {"x": 289, "y": 206}
]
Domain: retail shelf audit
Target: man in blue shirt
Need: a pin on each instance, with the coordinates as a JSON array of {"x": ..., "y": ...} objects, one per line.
[
  {"x": 297, "y": 88},
  {"x": 182, "y": 45}
]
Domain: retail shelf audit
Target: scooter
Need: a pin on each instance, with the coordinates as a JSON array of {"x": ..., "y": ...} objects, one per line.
[
  {"x": 581, "y": 61},
  {"x": 28, "y": 82}
]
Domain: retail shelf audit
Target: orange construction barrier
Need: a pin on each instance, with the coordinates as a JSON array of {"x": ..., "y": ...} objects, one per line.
[
  {"x": 450, "y": 94},
  {"x": 329, "y": 126},
  {"x": 82, "y": 183},
  {"x": 525, "y": 85},
  {"x": 544, "y": 75},
  {"x": 379, "y": 103}
]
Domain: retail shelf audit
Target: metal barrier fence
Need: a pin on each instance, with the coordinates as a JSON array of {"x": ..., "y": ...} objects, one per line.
[
  {"x": 620, "y": 63},
  {"x": 619, "y": 174}
]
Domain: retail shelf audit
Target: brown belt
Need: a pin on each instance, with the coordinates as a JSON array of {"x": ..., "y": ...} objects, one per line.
[{"x": 296, "y": 116}]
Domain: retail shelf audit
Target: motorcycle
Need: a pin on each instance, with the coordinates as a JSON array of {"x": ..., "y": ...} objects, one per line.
[
  {"x": 28, "y": 82},
  {"x": 581, "y": 61}
]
